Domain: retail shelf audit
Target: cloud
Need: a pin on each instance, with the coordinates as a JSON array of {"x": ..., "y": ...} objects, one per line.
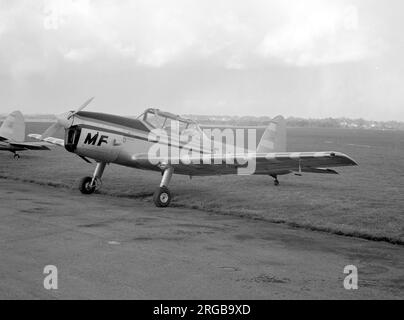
[
  {"x": 316, "y": 33},
  {"x": 79, "y": 55},
  {"x": 152, "y": 33},
  {"x": 165, "y": 37},
  {"x": 292, "y": 55},
  {"x": 56, "y": 13}
]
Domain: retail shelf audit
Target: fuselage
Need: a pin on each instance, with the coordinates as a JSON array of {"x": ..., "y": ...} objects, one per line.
[
  {"x": 126, "y": 141},
  {"x": 114, "y": 139},
  {"x": 107, "y": 138}
]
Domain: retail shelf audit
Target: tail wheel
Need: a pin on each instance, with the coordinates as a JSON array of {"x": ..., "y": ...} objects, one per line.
[
  {"x": 85, "y": 185},
  {"x": 162, "y": 197}
]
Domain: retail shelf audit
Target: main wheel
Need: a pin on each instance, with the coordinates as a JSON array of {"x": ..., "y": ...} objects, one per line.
[
  {"x": 16, "y": 156},
  {"x": 276, "y": 182},
  {"x": 162, "y": 197},
  {"x": 85, "y": 185}
]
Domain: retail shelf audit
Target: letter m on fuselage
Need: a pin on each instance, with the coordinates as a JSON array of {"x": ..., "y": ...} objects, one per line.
[{"x": 91, "y": 139}]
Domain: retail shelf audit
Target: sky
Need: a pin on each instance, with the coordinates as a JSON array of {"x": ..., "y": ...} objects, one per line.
[{"x": 312, "y": 58}]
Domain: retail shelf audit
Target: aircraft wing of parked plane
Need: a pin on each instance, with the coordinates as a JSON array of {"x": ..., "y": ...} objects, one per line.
[
  {"x": 272, "y": 164},
  {"x": 148, "y": 143},
  {"x": 55, "y": 141},
  {"x": 12, "y": 135}
]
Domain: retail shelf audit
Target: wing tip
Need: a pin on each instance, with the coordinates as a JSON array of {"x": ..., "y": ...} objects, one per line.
[{"x": 350, "y": 160}]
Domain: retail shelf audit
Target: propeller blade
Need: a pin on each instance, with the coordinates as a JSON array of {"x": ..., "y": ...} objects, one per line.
[
  {"x": 51, "y": 130},
  {"x": 85, "y": 104},
  {"x": 63, "y": 121}
]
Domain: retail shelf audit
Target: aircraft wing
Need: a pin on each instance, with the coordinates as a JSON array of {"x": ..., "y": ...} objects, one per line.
[
  {"x": 29, "y": 145},
  {"x": 51, "y": 140},
  {"x": 265, "y": 164}
]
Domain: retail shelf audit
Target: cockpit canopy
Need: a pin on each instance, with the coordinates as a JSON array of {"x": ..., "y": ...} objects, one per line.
[
  {"x": 175, "y": 127},
  {"x": 158, "y": 119}
]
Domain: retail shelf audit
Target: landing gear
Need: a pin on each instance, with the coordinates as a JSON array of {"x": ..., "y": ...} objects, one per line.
[
  {"x": 276, "y": 181},
  {"x": 162, "y": 197},
  {"x": 16, "y": 156},
  {"x": 89, "y": 185},
  {"x": 85, "y": 185}
]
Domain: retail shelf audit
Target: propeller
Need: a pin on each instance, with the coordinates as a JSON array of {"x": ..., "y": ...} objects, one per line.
[
  {"x": 63, "y": 120},
  {"x": 85, "y": 104}
]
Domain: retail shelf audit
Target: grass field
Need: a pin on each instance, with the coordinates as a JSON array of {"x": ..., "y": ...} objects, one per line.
[{"x": 365, "y": 201}]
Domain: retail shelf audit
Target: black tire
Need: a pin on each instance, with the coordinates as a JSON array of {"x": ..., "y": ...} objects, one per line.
[
  {"x": 16, "y": 156},
  {"x": 84, "y": 185},
  {"x": 162, "y": 197},
  {"x": 276, "y": 183}
]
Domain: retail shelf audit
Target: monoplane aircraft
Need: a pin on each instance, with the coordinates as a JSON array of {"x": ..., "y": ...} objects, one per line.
[
  {"x": 12, "y": 135},
  {"x": 149, "y": 142}
]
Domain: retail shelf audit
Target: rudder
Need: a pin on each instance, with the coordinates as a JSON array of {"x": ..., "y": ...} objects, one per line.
[
  {"x": 274, "y": 137},
  {"x": 13, "y": 128}
]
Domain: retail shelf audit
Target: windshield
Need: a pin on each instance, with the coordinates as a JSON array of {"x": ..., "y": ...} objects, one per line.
[
  {"x": 187, "y": 130},
  {"x": 167, "y": 121},
  {"x": 155, "y": 120}
]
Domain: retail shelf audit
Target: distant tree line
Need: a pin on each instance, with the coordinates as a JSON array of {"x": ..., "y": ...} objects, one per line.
[
  {"x": 264, "y": 121},
  {"x": 298, "y": 122}
]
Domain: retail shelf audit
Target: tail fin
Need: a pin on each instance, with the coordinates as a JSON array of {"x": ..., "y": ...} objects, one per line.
[
  {"x": 13, "y": 128},
  {"x": 274, "y": 137}
]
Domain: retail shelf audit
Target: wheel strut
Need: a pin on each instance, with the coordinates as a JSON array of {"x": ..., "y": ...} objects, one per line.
[
  {"x": 89, "y": 184},
  {"x": 162, "y": 196},
  {"x": 167, "y": 174},
  {"x": 276, "y": 181},
  {"x": 98, "y": 172}
]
